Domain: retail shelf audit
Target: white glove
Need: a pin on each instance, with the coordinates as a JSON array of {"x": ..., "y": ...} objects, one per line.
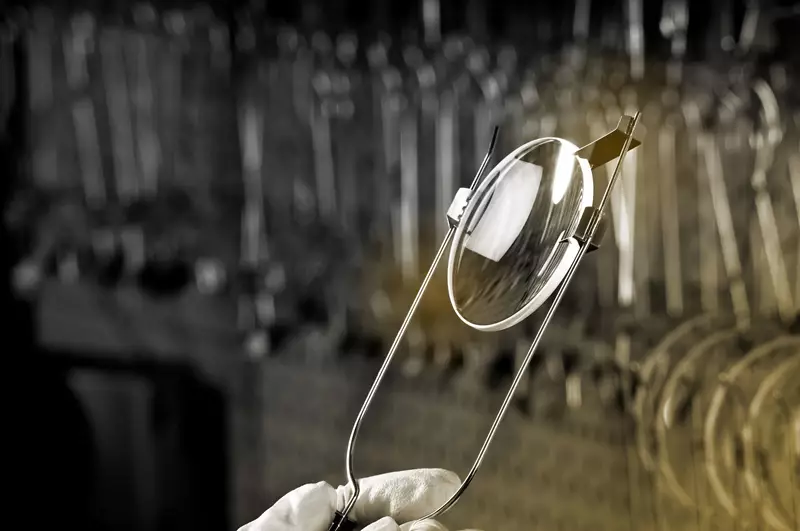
[{"x": 384, "y": 501}]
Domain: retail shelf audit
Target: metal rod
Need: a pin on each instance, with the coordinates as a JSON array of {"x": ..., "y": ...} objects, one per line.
[
  {"x": 765, "y": 154},
  {"x": 396, "y": 343},
  {"x": 409, "y": 197},
  {"x": 445, "y": 167},
  {"x": 708, "y": 249},
  {"x": 125, "y": 163},
  {"x": 635, "y": 38},
  {"x": 486, "y": 159},
  {"x": 670, "y": 223},
  {"x": 83, "y": 116},
  {"x": 794, "y": 181},
  {"x": 149, "y": 149},
  {"x": 431, "y": 16},
  {"x": 580, "y": 23},
  {"x": 383, "y": 369},
  {"x": 724, "y": 218},
  {"x": 323, "y": 159}
]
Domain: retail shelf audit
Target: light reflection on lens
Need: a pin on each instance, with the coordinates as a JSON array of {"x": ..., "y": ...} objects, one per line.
[{"x": 510, "y": 251}]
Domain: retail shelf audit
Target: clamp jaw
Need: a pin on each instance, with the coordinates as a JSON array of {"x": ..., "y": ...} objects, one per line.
[{"x": 597, "y": 154}]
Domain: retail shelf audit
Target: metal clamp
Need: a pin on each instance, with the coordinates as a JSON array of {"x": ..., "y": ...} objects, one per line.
[
  {"x": 608, "y": 147},
  {"x": 581, "y": 234},
  {"x": 457, "y": 207}
]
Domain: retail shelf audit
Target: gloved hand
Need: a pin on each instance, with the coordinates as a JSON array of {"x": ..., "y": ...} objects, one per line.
[{"x": 384, "y": 501}]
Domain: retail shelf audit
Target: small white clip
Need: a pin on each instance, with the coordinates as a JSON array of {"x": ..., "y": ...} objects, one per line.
[{"x": 457, "y": 207}]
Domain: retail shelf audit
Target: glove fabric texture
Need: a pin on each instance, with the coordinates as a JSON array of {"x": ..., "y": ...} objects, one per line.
[{"x": 388, "y": 502}]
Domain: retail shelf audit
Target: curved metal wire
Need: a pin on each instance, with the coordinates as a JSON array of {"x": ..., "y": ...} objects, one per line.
[
  {"x": 351, "y": 477},
  {"x": 754, "y": 477},
  {"x": 728, "y": 385}
]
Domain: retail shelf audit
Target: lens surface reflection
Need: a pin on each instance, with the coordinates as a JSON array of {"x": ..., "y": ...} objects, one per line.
[{"x": 509, "y": 255}]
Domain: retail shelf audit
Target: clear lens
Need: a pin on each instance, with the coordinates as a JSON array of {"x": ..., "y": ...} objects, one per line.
[{"x": 514, "y": 244}]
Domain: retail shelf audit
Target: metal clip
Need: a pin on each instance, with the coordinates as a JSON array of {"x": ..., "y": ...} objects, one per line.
[
  {"x": 457, "y": 207},
  {"x": 608, "y": 147},
  {"x": 583, "y": 227}
]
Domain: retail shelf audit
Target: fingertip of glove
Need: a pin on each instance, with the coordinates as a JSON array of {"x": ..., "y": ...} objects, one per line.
[
  {"x": 386, "y": 523},
  {"x": 447, "y": 476},
  {"x": 423, "y": 525}
]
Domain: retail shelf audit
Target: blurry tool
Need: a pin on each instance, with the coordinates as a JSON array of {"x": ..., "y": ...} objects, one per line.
[
  {"x": 126, "y": 168},
  {"x": 432, "y": 23},
  {"x": 794, "y": 179},
  {"x": 346, "y": 85},
  {"x": 101, "y": 255},
  {"x": 721, "y": 208},
  {"x": 735, "y": 388},
  {"x": 673, "y": 24},
  {"x": 407, "y": 214},
  {"x": 324, "y": 165},
  {"x": 141, "y": 53},
  {"x": 657, "y": 368},
  {"x": 291, "y": 122},
  {"x": 256, "y": 302},
  {"x": 755, "y": 102},
  {"x": 171, "y": 86},
  {"x": 386, "y": 97},
  {"x": 177, "y": 255},
  {"x": 483, "y": 96},
  {"x": 766, "y": 138},
  {"x": 682, "y": 408},
  {"x": 354, "y": 147},
  {"x": 42, "y": 257},
  {"x": 722, "y": 430},
  {"x": 168, "y": 268},
  {"x": 496, "y": 275},
  {"x": 670, "y": 221},
  {"x": 372, "y": 100},
  {"x": 635, "y": 37},
  {"x": 770, "y": 439},
  {"x": 651, "y": 370},
  {"x": 207, "y": 245},
  {"x": 407, "y": 229},
  {"x": 581, "y": 25},
  {"x": 685, "y": 401},
  {"x": 446, "y": 179},
  {"x": 323, "y": 307}
]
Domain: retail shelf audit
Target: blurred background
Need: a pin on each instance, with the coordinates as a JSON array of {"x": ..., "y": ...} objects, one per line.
[{"x": 216, "y": 215}]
